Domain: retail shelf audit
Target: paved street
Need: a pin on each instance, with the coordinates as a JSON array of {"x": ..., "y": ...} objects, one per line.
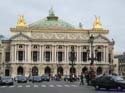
[{"x": 50, "y": 87}]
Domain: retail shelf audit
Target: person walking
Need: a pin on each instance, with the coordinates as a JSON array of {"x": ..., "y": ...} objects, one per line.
[{"x": 82, "y": 79}]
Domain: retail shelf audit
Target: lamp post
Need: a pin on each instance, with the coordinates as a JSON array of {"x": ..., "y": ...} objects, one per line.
[
  {"x": 72, "y": 57},
  {"x": 91, "y": 40}
]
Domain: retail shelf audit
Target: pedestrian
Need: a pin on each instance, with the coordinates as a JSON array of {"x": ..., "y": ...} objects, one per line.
[{"x": 82, "y": 79}]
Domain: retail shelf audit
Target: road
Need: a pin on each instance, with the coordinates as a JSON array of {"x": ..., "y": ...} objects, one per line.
[{"x": 50, "y": 87}]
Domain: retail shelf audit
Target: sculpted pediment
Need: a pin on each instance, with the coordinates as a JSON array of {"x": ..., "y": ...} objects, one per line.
[
  {"x": 20, "y": 36},
  {"x": 101, "y": 39}
]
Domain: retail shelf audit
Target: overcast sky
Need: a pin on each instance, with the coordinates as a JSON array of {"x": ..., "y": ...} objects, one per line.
[{"x": 112, "y": 13}]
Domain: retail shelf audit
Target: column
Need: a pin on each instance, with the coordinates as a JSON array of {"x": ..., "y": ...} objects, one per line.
[
  {"x": 65, "y": 54},
  {"x": 107, "y": 54},
  {"x": 12, "y": 53},
  {"x": 80, "y": 54},
  {"x": 16, "y": 54},
  {"x": 77, "y": 54},
  {"x": 55, "y": 54},
  {"x": 25, "y": 54},
  {"x": 40, "y": 54},
  {"x": 29, "y": 53}
]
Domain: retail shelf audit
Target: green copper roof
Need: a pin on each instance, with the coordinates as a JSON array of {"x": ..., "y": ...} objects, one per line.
[
  {"x": 51, "y": 24},
  {"x": 51, "y": 21}
]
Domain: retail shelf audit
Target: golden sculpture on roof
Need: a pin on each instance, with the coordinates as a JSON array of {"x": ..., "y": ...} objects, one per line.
[
  {"x": 97, "y": 24},
  {"x": 21, "y": 21}
]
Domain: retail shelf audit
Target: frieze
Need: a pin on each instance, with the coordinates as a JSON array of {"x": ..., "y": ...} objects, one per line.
[{"x": 60, "y": 36}]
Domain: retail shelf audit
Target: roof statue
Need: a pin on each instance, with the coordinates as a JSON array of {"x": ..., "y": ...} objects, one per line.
[
  {"x": 21, "y": 21},
  {"x": 80, "y": 25},
  {"x": 97, "y": 24},
  {"x": 51, "y": 12}
]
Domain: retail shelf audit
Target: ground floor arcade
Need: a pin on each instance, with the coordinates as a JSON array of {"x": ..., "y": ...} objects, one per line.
[{"x": 52, "y": 69}]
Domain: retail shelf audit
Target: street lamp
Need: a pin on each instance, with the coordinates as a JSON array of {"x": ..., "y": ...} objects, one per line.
[
  {"x": 72, "y": 57},
  {"x": 91, "y": 40}
]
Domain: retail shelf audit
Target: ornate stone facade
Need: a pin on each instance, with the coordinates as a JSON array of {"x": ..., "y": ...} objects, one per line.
[{"x": 38, "y": 50}]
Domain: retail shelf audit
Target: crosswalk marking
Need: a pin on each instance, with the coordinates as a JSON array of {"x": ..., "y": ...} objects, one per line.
[
  {"x": 11, "y": 86},
  {"x": 3, "y": 86},
  {"x": 59, "y": 85},
  {"x": 51, "y": 86},
  {"x": 43, "y": 85},
  {"x": 66, "y": 85},
  {"x": 27, "y": 86},
  {"x": 35, "y": 85},
  {"x": 19, "y": 86},
  {"x": 74, "y": 85}
]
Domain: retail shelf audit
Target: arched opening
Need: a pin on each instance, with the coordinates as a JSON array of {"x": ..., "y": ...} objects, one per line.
[
  {"x": 47, "y": 70},
  {"x": 72, "y": 70},
  {"x": 99, "y": 70},
  {"x": 84, "y": 69},
  {"x": 7, "y": 72},
  {"x": 20, "y": 71},
  {"x": 60, "y": 70},
  {"x": 34, "y": 71}
]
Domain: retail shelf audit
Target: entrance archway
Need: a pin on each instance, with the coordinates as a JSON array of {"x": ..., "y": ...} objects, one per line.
[
  {"x": 47, "y": 70},
  {"x": 84, "y": 69},
  {"x": 60, "y": 70},
  {"x": 72, "y": 70},
  {"x": 20, "y": 71},
  {"x": 34, "y": 71},
  {"x": 7, "y": 72},
  {"x": 99, "y": 70}
]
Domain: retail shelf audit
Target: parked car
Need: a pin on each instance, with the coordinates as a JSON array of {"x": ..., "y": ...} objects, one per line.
[
  {"x": 45, "y": 77},
  {"x": 37, "y": 79},
  {"x": 6, "y": 80},
  {"x": 109, "y": 82},
  {"x": 21, "y": 79}
]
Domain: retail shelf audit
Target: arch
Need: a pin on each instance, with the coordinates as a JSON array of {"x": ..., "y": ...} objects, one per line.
[
  {"x": 84, "y": 69},
  {"x": 47, "y": 70},
  {"x": 34, "y": 71},
  {"x": 20, "y": 71},
  {"x": 99, "y": 70},
  {"x": 60, "y": 70},
  {"x": 7, "y": 72},
  {"x": 72, "y": 70}
]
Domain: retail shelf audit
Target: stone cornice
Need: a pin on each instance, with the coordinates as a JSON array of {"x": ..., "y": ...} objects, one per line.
[{"x": 27, "y": 29}]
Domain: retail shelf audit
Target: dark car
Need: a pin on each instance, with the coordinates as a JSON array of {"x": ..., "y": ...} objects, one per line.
[
  {"x": 6, "y": 81},
  {"x": 109, "y": 82},
  {"x": 66, "y": 78},
  {"x": 45, "y": 77},
  {"x": 37, "y": 79},
  {"x": 21, "y": 79}
]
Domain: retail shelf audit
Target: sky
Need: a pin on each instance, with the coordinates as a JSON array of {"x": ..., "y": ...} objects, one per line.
[{"x": 111, "y": 12}]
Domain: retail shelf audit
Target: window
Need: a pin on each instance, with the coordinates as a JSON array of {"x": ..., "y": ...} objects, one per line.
[
  {"x": 72, "y": 56},
  {"x": 20, "y": 46},
  {"x": 84, "y": 56},
  {"x": 99, "y": 54},
  {"x": 35, "y": 46},
  {"x": 20, "y": 55},
  {"x": 60, "y": 56},
  {"x": 35, "y": 55},
  {"x": 7, "y": 56},
  {"x": 48, "y": 55}
]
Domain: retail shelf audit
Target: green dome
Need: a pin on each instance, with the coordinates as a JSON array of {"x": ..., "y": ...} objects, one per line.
[
  {"x": 51, "y": 21},
  {"x": 51, "y": 24}
]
